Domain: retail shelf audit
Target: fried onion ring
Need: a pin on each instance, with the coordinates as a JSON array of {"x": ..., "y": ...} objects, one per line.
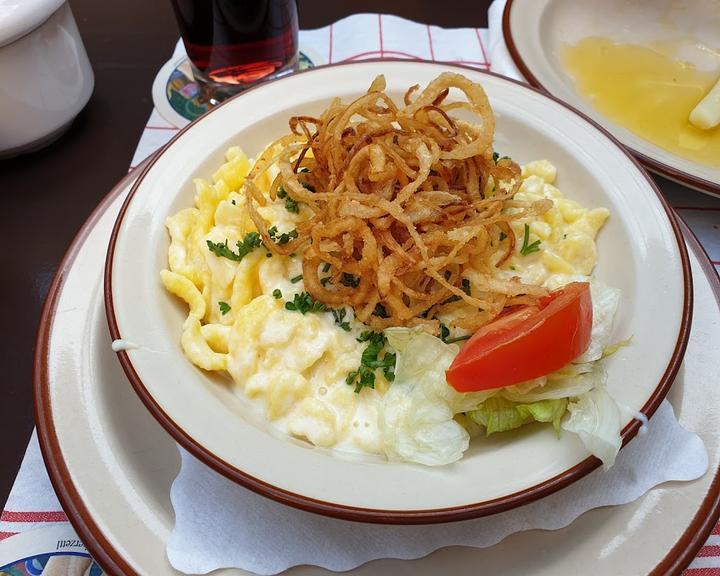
[{"x": 408, "y": 213}]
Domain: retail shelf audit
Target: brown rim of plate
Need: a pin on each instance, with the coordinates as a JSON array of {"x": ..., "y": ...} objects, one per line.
[
  {"x": 655, "y": 165},
  {"x": 389, "y": 516},
  {"x": 100, "y": 547},
  {"x": 686, "y": 548}
]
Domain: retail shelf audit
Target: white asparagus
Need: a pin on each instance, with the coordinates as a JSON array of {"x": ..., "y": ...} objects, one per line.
[{"x": 706, "y": 114}]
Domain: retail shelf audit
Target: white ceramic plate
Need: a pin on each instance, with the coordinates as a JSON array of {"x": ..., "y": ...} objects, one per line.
[
  {"x": 112, "y": 465},
  {"x": 640, "y": 252},
  {"x": 535, "y": 30}
]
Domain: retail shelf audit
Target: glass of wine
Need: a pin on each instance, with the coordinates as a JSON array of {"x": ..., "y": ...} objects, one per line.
[{"x": 233, "y": 44}]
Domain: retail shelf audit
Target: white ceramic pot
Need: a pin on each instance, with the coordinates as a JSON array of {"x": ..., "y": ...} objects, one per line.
[{"x": 45, "y": 71}]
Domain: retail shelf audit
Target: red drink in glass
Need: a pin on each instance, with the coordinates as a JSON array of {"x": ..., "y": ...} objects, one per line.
[{"x": 235, "y": 43}]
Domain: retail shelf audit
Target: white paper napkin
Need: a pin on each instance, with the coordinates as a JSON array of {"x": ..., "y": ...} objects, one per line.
[{"x": 219, "y": 524}]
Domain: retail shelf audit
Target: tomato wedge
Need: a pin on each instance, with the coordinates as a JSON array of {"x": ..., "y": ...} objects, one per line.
[{"x": 526, "y": 343}]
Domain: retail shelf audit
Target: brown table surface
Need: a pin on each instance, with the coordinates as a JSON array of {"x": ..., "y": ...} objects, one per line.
[{"x": 47, "y": 195}]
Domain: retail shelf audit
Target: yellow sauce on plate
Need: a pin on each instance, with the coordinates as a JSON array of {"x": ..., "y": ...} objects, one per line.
[{"x": 646, "y": 90}]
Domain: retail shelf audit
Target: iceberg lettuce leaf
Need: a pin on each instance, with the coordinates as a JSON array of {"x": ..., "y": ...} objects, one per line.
[
  {"x": 573, "y": 380},
  {"x": 595, "y": 418},
  {"x": 498, "y": 414},
  {"x": 605, "y": 302},
  {"x": 416, "y": 418}
]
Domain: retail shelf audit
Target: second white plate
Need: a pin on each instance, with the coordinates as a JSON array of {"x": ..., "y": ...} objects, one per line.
[
  {"x": 535, "y": 30},
  {"x": 112, "y": 465}
]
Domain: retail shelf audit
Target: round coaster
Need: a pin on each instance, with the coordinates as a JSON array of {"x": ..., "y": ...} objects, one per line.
[{"x": 178, "y": 97}]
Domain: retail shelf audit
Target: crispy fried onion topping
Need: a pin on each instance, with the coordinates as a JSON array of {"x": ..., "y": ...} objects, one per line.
[{"x": 407, "y": 210}]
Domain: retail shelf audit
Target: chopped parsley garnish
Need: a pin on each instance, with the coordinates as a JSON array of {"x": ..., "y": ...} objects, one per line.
[
  {"x": 309, "y": 187},
  {"x": 529, "y": 248},
  {"x": 277, "y": 294},
  {"x": 370, "y": 361},
  {"x": 339, "y": 315},
  {"x": 380, "y": 311},
  {"x": 465, "y": 286},
  {"x": 283, "y": 238},
  {"x": 251, "y": 241},
  {"x": 224, "y": 307},
  {"x": 304, "y": 303},
  {"x": 361, "y": 378},
  {"x": 327, "y": 279},
  {"x": 456, "y": 339},
  {"x": 444, "y": 332},
  {"x": 497, "y": 157},
  {"x": 296, "y": 279},
  {"x": 290, "y": 204},
  {"x": 376, "y": 342},
  {"x": 445, "y": 335},
  {"x": 349, "y": 280}
]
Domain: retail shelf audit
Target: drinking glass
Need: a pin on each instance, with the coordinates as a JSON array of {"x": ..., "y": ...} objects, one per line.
[{"x": 233, "y": 44}]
